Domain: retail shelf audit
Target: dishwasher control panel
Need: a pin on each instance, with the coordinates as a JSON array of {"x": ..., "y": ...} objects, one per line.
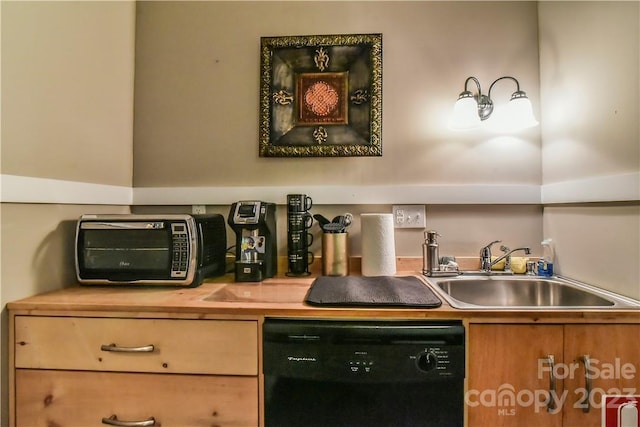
[{"x": 375, "y": 351}]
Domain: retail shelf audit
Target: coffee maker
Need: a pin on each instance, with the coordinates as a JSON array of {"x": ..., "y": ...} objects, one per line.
[{"x": 254, "y": 223}]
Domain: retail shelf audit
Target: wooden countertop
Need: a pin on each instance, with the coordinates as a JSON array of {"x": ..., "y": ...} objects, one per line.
[{"x": 275, "y": 297}]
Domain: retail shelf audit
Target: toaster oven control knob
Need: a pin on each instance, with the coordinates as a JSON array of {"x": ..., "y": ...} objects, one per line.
[{"x": 427, "y": 361}]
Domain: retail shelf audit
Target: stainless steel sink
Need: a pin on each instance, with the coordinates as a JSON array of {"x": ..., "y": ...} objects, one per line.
[{"x": 525, "y": 292}]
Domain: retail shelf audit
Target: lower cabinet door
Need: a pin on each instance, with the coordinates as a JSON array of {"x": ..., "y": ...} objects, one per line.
[
  {"x": 83, "y": 399},
  {"x": 509, "y": 382},
  {"x": 604, "y": 359}
]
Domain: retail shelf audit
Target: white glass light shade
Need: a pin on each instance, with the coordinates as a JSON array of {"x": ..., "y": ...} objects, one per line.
[
  {"x": 516, "y": 115},
  {"x": 523, "y": 112},
  {"x": 465, "y": 114}
]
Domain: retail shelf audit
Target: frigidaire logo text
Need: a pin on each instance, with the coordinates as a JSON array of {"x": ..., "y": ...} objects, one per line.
[{"x": 301, "y": 359}]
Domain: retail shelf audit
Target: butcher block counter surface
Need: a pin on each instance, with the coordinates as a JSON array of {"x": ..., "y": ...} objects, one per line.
[{"x": 275, "y": 297}]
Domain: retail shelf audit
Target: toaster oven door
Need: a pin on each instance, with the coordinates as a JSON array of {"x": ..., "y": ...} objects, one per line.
[{"x": 133, "y": 251}]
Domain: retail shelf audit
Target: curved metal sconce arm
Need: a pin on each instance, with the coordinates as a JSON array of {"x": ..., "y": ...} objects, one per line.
[
  {"x": 476, "y": 81},
  {"x": 502, "y": 78}
]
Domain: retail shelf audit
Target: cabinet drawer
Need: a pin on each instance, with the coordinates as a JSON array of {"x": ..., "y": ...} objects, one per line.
[
  {"x": 82, "y": 399},
  {"x": 108, "y": 344}
]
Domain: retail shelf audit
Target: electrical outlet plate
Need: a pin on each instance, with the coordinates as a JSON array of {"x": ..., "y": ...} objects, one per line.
[
  {"x": 409, "y": 216},
  {"x": 198, "y": 209}
]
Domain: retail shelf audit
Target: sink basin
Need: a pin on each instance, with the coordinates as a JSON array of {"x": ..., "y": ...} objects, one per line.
[{"x": 525, "y": 292}]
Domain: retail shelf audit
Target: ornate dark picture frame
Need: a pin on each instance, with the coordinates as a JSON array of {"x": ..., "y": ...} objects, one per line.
[{"x": 321, "y": 96}]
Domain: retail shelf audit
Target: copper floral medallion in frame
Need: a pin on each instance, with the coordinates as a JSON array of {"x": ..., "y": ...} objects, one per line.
[{"x": 321, "y": 96}]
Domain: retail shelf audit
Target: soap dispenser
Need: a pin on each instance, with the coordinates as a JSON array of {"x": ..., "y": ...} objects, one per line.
[
  {"x": 545, "y": 263},
  {"x": 430, "y": 253}
]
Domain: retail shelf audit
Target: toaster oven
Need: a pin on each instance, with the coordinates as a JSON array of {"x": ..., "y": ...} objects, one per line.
[{"x": 175, "y": 249}]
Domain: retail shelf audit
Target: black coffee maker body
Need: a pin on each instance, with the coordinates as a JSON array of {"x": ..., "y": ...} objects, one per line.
[{"x": 254, "y": 223}]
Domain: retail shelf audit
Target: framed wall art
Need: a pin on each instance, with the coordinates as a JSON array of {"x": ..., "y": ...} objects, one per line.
[{"x": 321, "y": 96}]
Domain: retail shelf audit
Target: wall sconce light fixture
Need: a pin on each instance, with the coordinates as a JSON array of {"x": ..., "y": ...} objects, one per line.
[{"x": 470, "y": 110}]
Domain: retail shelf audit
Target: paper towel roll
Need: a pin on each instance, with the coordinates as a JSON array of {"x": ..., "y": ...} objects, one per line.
[{"x": 378, "y": 245}]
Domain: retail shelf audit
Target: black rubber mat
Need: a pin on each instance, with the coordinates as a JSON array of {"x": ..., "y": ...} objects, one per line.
[{"x": 389, "y": 291}]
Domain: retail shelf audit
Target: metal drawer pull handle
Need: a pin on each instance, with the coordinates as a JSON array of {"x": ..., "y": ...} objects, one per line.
[
  {"x": 116, "y": 348},
  {"x": 587, "y": 382},
  {"x": 114, "y": 421},
  {"x": 551, "y": 405}
]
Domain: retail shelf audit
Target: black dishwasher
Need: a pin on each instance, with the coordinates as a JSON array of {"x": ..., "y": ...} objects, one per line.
[{"x": 363, "y": 373}]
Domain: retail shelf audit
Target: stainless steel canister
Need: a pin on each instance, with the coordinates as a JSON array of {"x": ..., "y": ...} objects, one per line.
[{"x": 335, "y": 254}]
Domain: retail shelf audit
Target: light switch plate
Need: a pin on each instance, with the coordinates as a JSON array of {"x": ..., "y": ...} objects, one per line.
[{"x": 409, "y": 216}]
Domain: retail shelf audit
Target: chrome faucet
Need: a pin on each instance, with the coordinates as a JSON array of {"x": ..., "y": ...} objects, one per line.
[{"x": 485, "y": 257}]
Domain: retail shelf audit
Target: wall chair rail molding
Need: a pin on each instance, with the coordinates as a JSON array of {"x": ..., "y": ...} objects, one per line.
[
  {"x": 610, "y": 188},
  {"x": 344, "y": 194},
  {"x": 613, "y": 188},
  {"x": 26, "y": 189}
]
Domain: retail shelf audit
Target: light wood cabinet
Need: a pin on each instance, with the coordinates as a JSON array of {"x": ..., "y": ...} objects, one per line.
[
  {"x": 80, "y": 371},
  {"x": 503, "y": 374},
  {"x": 514, "y": 369},
  {"x": 137, "y": 345},
  {"x": 612, "y": 354},
  {"x": 48, "y": 398},
  {"x": 83, "y": 356}
]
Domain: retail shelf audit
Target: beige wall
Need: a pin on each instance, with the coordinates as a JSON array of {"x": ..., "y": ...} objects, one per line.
[
  {"x": 197, "y": 100},
  {"x": 67, "y": 90},
  {"x": 590, "y": 90},
  {"x": 464, "y": 229},
  {"x": 598, "y": 244},
  {"x": 197, "y": 91},
  {"x": 590, "y": 87},
  {"x": 67, "y": 114}
]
